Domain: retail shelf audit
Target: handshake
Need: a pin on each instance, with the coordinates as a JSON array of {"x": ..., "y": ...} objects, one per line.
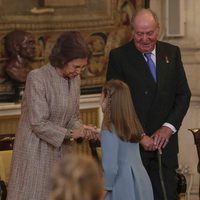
[{"x": 87, "y": 132}]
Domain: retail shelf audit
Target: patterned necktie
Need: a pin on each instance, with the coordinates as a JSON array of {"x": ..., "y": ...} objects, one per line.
[{"x": 151, "y": 65}]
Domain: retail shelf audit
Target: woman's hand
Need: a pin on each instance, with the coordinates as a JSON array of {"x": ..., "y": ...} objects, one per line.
[{"x": 77, "y": 133}]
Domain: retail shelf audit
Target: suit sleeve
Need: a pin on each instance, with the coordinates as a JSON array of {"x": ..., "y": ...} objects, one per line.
[
  {"x": 109, "y": 146},
  {"x": 114, "y": 70},
  {"x": 182, "y": 96}
]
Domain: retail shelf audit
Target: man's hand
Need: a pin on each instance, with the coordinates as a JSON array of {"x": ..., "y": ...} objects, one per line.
[{"x": 161, "y": 137}]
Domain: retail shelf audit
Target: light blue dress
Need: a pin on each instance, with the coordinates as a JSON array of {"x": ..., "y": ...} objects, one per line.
[{"x": 125, "y": 177}]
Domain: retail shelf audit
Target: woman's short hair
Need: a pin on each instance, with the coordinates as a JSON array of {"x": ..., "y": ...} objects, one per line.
[
  {"x": 76, "y": 177},
  {"x": 69, "y": 46}
]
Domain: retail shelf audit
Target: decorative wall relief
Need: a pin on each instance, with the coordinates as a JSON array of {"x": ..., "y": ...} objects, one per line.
[
  {"x": 92, "y": 14},
  {"x": 94, "y": 75}
]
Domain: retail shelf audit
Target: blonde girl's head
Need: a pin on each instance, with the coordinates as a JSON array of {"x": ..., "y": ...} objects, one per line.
[
  {"x": 116, "y": 103},
  {"x": 76, "y": 177}
]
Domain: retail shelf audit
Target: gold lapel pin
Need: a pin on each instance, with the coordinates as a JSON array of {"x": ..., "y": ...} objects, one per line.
[{"x": 166, "y": 59}]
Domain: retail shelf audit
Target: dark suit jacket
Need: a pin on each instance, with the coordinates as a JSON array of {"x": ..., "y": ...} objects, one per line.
[{"x": 155, "y": 103}]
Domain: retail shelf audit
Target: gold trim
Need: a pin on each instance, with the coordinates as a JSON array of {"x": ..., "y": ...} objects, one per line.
[
  {"x": 194, "y": 130},
  {"x": 8, "y": 117},
  {"x": 7, "y": 139}
]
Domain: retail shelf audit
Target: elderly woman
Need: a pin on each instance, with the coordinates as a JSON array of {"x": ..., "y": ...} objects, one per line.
[{"x": 50, "y": 118}]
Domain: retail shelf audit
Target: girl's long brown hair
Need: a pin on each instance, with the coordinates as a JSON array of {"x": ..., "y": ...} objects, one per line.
[{"x": 120, "y": 111}]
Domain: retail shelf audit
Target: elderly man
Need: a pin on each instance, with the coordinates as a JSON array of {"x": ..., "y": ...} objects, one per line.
[{"x": 157, "y": 81}]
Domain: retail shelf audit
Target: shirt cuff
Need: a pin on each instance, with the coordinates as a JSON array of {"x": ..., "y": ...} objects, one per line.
[{"x": 171, "y": 127}]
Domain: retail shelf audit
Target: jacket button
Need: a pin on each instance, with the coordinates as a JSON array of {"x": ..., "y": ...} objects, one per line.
[{"x": 146, "y": 92}]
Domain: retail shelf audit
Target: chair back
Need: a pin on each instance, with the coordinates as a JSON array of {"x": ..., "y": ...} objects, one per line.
[
  {"x": 6, "y": 147},
  {"x": 196, "y": 134}
]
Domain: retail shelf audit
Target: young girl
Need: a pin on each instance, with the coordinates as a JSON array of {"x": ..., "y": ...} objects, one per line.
[{"x": 124, "y": 174}]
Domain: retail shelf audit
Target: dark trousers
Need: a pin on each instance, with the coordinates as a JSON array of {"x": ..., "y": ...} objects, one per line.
[{"x": 169, "y": 166}]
